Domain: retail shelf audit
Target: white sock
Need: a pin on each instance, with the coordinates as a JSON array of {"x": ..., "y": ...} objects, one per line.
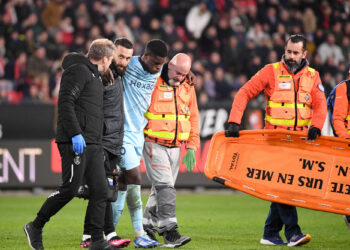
[
  {"x": 86, "y": 237},
  {"x": 110, "y": 236}
]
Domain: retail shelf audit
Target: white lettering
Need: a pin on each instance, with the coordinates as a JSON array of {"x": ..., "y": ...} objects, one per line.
[
  {"x": 18, "y": 169},
  {"x": 212, "y": 121}
]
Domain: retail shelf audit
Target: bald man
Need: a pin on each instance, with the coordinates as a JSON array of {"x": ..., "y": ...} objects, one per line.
[{"x": 173, "y": 119}]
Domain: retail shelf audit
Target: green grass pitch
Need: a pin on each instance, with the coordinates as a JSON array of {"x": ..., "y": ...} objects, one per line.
[{"x": 223, "y": 220}]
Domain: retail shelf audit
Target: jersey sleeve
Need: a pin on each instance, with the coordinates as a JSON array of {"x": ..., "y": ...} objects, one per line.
[
  {"x": 249, "y": 90},
  {"x": 319, "y": 104}
]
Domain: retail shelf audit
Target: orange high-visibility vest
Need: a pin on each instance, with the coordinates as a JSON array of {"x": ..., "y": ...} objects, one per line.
[
  {"x": 169, "y": 114},
  {"x": 341, "y": 111},
  {"x": 286, "y": 106}
]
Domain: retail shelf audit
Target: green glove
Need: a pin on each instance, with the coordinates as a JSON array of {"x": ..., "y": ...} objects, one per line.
[{"x": 189, "y": 159}]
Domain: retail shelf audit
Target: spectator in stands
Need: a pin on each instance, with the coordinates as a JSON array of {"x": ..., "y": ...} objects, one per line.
[
  {"x": 197, "y": 19},
  {"x": 37, "y": 63},
  {"x": 316, "y": 63},
  {"x": 52, "y": 14},
  {"x": 55, "y": 47},
  {"x": 2, "y": 46},
  {"x": 168, "y": 29},
  {"x": 128, "y": 12},
  {"x": 345, "y": 47},
  {"x": 4, "y": 91},
  {"x": 154, "y": 29},
  {"x": 239, "y": 81},
  {"x": 329, "y": 48},
  {"x": 214, "y": 61},
  {"x": 209, "y": 85},
  {"x": 145, "y": 14},
  {"x": 337, "y": 31},
  {"x": 176, "y": 47},
  {"x": 20, "y": 70},
  {"x": 209, "y": 41},
  {"x": 13, "y": 45},
  {"x": 347, "y": 29},
  {"x": 222, "y": 88},
  {"x": 67, "y": 31},
  {"x": 2, "y": 67},
  {"x": 121, "y": 29},
  {"x": 256, "y": 33},
  {"x": 94, "y": 33},
  {"x": 254, "y": 66},
  {"x": 328, "y": 83},
  {"x": 98, "y": 14},
  {"x": 81, "y": 12},
  {"x": 330, "y": 66},
  {"x": 199, "y": 85},
  {"x": 108, "y": 31},
  {"x": 230, "y": 55},
  {"x": 188, "y": 24},
  {"x": 81, "y": 27},
  {"x": 272, "y": 57},
  {"x": 135, "y": 26},
  {"x": 271, "y": 18},
  {"x": 224, "y": 30},
  {"x": 309, "y": 21}
]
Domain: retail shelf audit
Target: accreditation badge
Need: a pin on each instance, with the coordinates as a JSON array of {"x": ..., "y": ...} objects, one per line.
[{"x": 285, "y": 81}]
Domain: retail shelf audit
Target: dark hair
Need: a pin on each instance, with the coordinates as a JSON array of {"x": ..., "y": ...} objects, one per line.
[
  {"x": 124, "y": 42},
  {"x": 156, "y": 47},
  {"x": 298, "y": 38}
]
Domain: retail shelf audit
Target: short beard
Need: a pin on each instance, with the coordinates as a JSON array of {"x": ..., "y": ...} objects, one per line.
[
  {"x": 292, "y": 67},
  {"x": 173, "y": 83},
  {"x": 121, "y": 72}
]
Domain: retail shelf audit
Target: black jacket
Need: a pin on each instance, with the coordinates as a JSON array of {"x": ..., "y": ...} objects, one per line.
[
  {"x": 80, "y": 101},
  {"x": 113, "y": 108}
]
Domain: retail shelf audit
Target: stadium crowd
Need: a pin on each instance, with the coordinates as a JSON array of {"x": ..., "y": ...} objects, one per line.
[{"x": 229, "y": 40}]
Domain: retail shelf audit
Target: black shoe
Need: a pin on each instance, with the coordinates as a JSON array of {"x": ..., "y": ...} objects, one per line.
[
  {"x": 173, "y": 239},
  {"x": 34, "y": 236},
  {"x": 101, "y": 245},
  {"x": 150, "y": 233}
]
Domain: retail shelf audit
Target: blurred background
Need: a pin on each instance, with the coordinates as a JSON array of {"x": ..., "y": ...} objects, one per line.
[{"x": 228, "y": 40}]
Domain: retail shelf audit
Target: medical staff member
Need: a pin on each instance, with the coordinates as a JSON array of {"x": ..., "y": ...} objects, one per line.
[
  {"x": 173, "y": 119},
  {"x": 341, "y": 117},
  {"x": 295, "y": 101}
]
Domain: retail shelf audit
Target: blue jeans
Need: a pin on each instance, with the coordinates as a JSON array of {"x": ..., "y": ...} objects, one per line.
[{"x": 279, "y": 215}]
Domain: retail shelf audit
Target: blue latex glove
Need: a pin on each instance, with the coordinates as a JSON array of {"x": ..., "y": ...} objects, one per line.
[
  {"x": 78, "y": 144},
  {"x": 189, "y": 159}
]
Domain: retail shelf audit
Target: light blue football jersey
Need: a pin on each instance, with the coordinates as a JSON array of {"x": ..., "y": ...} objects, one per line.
[{"x": 138, "y": 88}]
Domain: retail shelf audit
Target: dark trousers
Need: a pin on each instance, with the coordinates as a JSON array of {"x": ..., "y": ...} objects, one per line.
[
  {"x": 110, "y": 162},
  {"x": 88, "y": 165},
  {"x": 279, "y": 215}
]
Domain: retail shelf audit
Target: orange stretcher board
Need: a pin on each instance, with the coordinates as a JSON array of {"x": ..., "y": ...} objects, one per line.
[{"x": 282, "y": 166}]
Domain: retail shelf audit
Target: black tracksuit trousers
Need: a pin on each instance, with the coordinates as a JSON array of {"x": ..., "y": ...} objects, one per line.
[
  {"x": 110, "y": 162},
  {"x": 88, "y": 165}
]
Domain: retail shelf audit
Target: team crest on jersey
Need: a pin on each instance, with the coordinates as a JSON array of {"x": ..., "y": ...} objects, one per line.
[{"x": 77, "y": 160}]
